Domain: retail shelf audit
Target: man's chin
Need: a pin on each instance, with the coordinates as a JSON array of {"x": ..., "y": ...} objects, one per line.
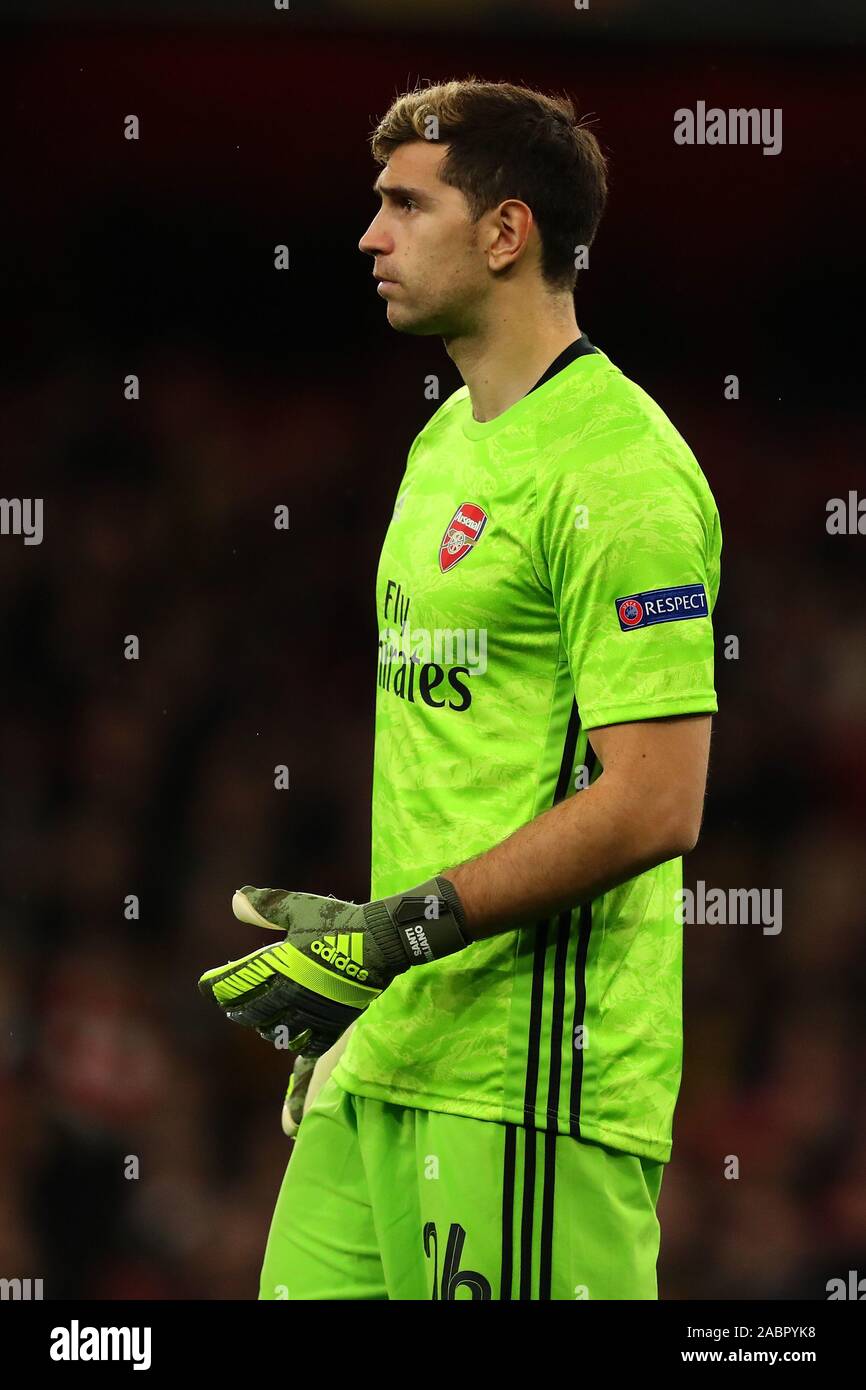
[{"x": 403, "y": 320}]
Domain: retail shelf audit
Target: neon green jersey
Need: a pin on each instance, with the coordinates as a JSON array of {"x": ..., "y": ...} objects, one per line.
[{"x": 544, "y": 572}]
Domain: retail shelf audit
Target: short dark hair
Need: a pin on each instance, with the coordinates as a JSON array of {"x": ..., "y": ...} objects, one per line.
[{"x": 509, "y": 141}]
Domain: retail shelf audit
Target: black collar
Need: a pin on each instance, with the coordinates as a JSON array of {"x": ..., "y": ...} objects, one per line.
[{"x": 579, "y": 348}]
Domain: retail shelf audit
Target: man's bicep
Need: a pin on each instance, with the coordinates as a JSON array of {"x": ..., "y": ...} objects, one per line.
[{"x": 661, "y": 766}]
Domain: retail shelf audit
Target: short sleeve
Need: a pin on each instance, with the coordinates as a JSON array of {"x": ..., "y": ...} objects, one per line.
[{"x": 628, "y": 543}]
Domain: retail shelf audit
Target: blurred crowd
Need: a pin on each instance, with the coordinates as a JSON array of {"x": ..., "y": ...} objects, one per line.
[{"x": 140, "y": 1141}]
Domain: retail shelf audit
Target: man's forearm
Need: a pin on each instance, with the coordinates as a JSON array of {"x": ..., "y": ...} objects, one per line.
[{"x": 580, "y": 848}]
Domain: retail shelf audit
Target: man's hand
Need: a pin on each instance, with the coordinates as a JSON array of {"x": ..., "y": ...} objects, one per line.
[
  {"x": 309, "y": 1075},
  {"x": 334, "y": 960},
  {"x": 295, "y": 1102}
]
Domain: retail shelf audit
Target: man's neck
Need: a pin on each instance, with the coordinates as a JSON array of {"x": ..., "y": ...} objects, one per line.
[{"x": 505, "y": 359}]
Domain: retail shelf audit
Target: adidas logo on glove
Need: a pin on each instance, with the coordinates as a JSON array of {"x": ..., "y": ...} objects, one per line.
[{"x": 338, "y": 959}]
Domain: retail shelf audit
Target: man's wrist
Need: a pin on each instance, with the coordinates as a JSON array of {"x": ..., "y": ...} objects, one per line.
[
  {"x": 455, "y": 902},
  {"x": 418, "y": 926}
]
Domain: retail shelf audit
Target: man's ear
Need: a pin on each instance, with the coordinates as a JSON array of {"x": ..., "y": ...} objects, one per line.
[{"x": 515, "y": 222}]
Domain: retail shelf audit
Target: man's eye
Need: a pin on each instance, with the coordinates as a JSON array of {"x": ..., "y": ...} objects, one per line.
[{"x": 407, "y": 202}]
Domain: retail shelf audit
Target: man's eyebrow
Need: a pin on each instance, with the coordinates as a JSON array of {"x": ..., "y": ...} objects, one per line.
[{"x": 399, "y": 190}]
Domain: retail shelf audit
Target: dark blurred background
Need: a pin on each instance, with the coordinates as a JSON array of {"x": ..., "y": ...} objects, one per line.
[{"x": 155, "y": 777}]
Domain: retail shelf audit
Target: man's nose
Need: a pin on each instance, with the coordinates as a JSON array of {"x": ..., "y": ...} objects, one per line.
[{"x": 376, "y": 241}]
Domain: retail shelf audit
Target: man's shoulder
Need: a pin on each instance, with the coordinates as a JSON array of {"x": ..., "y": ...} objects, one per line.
[
  {"x": 613, "y": 435},
  {"x": 600, "y": 402}
]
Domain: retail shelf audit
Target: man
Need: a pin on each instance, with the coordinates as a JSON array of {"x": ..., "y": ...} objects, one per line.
[{"x": 498, "y": 1120}]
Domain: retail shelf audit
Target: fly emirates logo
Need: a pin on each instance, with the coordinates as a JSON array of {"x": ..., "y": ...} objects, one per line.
[{"x": 430, "y": 666}]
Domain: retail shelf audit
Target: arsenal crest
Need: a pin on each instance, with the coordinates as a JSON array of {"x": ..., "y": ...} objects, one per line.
[{"x": 461, "y": 534}]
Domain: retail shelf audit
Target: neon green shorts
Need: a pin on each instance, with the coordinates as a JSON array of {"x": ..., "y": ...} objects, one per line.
[{"x": 383, "y": 1201}]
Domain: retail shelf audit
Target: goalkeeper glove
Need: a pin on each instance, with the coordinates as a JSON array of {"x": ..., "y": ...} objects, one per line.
[
  {"x": 308, "y": 1078},
  {"x": 296, "y": 1094},
  {"x": 334, "y": 960}
]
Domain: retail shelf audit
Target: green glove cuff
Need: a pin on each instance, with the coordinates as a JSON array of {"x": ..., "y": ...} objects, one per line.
[{"x": 418, "y": 926}]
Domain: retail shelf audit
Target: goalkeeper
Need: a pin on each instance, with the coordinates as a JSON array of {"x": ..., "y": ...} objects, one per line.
[{"x": 503, "y": 1016}]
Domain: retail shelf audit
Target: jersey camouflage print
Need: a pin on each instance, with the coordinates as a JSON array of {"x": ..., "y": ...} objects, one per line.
[{"x": 545, "y": 572}]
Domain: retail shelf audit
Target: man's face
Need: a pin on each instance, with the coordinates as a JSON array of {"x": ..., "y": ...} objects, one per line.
[{"x": 426, "y": 247}]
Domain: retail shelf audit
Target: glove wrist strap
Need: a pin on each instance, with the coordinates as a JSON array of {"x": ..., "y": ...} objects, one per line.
[{"x": 418, "y": 926}]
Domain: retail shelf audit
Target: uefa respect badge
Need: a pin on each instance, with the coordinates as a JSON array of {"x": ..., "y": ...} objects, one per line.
[{"x": 662, "y": 606}]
